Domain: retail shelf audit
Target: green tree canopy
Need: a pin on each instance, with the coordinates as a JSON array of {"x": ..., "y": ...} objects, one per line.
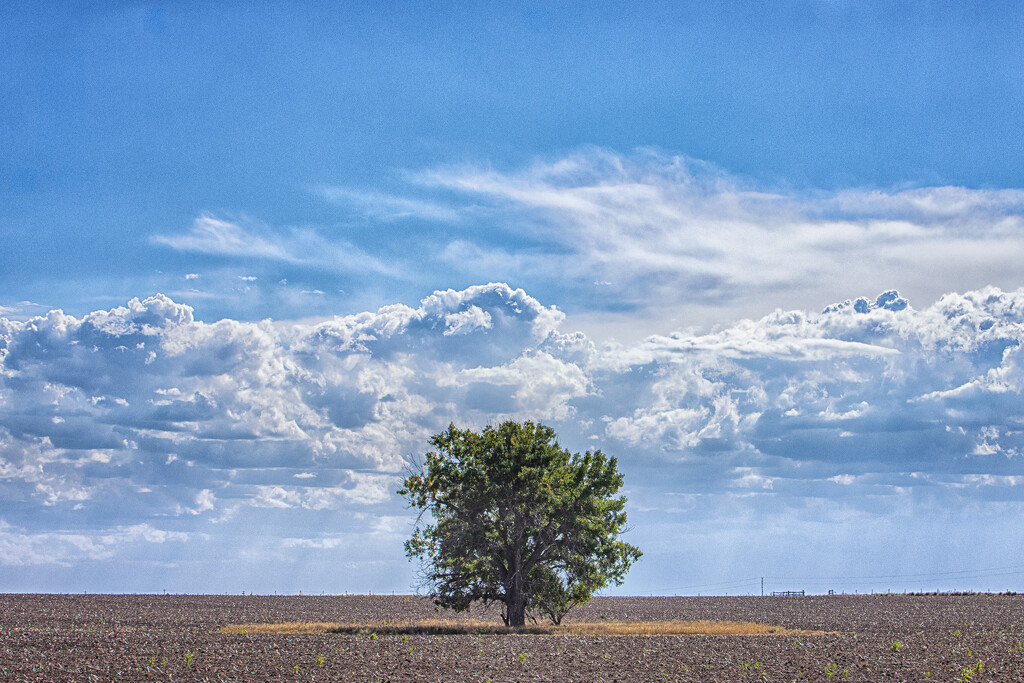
[{"x": 516, "y": 519}]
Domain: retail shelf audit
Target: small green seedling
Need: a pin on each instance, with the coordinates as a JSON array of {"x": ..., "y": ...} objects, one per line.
[
  {"x": 968, "y": 672},
  {"x": 189, "y": 656}
]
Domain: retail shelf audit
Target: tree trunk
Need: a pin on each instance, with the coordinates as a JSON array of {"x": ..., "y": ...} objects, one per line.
[
  {"x": 515, "y": 594},
  {"x": 515, "y": 606}
]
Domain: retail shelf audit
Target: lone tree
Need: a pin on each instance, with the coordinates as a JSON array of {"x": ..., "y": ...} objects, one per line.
[{"x": 516, "y": 519}]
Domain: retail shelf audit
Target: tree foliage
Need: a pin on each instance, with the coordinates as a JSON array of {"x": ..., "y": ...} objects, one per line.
[{"x": 518, "y": 520}]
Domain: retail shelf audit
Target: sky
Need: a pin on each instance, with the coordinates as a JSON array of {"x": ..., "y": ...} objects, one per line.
[{"x": 767, "y": 255}]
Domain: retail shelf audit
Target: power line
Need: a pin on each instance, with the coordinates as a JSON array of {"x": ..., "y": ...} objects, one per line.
[
  {"x": 963, "y": 573},
  {"x": 907, "y": 578}
]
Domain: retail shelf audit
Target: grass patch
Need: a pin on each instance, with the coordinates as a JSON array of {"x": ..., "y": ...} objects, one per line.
[{"x": 437, "y": 627}]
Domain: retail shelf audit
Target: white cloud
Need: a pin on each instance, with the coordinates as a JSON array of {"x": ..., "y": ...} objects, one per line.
[
  {"x": 935, "y": 203},
  {"x": 19, "y": 547},
  {"x": 388, "y": 207},
  {"x": 31, "y": 468},
  {"x": 469, "y": 320},
  {"x": 22, "y": 310},
  {"x": 874, "y": 387},
  {"x": 141, "y": 416},
  {"x": 205, "y": 500},
  {"x": 748, "y": 478},
  {"x": 673, "y": 237},
  {"x": 631, "y": 241},
  {"x": 144, "y": 392},
  {"x": 539, "y": 385},
  {"x": 211, "y": 235},
  {"x": 365, "y": 490},
  {"x": 315, "y": 543},
  {"x": 298, "y": 246}
]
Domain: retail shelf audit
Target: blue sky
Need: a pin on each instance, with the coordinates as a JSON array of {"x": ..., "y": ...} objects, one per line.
[{"x": 767, "y": 254}]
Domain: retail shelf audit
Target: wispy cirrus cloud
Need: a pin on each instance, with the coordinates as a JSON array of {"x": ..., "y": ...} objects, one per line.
[
  {"x": 386, "y": 207},
  {"x": 629, "y": 241},
  {"x": 211, "y": 235},
  {"x": 671, "y": 236},
  {"x": 934, "y": 203},
  {"x": 297, "y": 246}
]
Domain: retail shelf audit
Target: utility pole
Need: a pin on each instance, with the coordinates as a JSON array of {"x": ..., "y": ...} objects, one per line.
[{"x": 762, "y": 586}]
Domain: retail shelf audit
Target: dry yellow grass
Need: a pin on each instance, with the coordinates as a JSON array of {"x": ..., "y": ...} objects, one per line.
[
  {"x": 472, "y": 627},
  {"x": 283, "y": 627}
]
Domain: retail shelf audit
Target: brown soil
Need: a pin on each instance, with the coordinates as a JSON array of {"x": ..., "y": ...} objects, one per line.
[
  {"x": 163, "y": 638},
  {"x": 479, "y": 627}
]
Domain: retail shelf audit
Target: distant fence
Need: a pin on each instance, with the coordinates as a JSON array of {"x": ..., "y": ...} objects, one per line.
[{"x": 787, "y": 594}]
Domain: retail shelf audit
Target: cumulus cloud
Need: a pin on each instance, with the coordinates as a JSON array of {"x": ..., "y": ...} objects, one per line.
[
  {"x": 145, "y": 420},
  {"x": 171, "y": 416},
  {"x": 866, "y": 393},
  {"x": 473, "y": 318}
]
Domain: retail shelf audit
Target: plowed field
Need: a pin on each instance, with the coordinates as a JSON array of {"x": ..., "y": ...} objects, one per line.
[{"x": 163, "y": 638}]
